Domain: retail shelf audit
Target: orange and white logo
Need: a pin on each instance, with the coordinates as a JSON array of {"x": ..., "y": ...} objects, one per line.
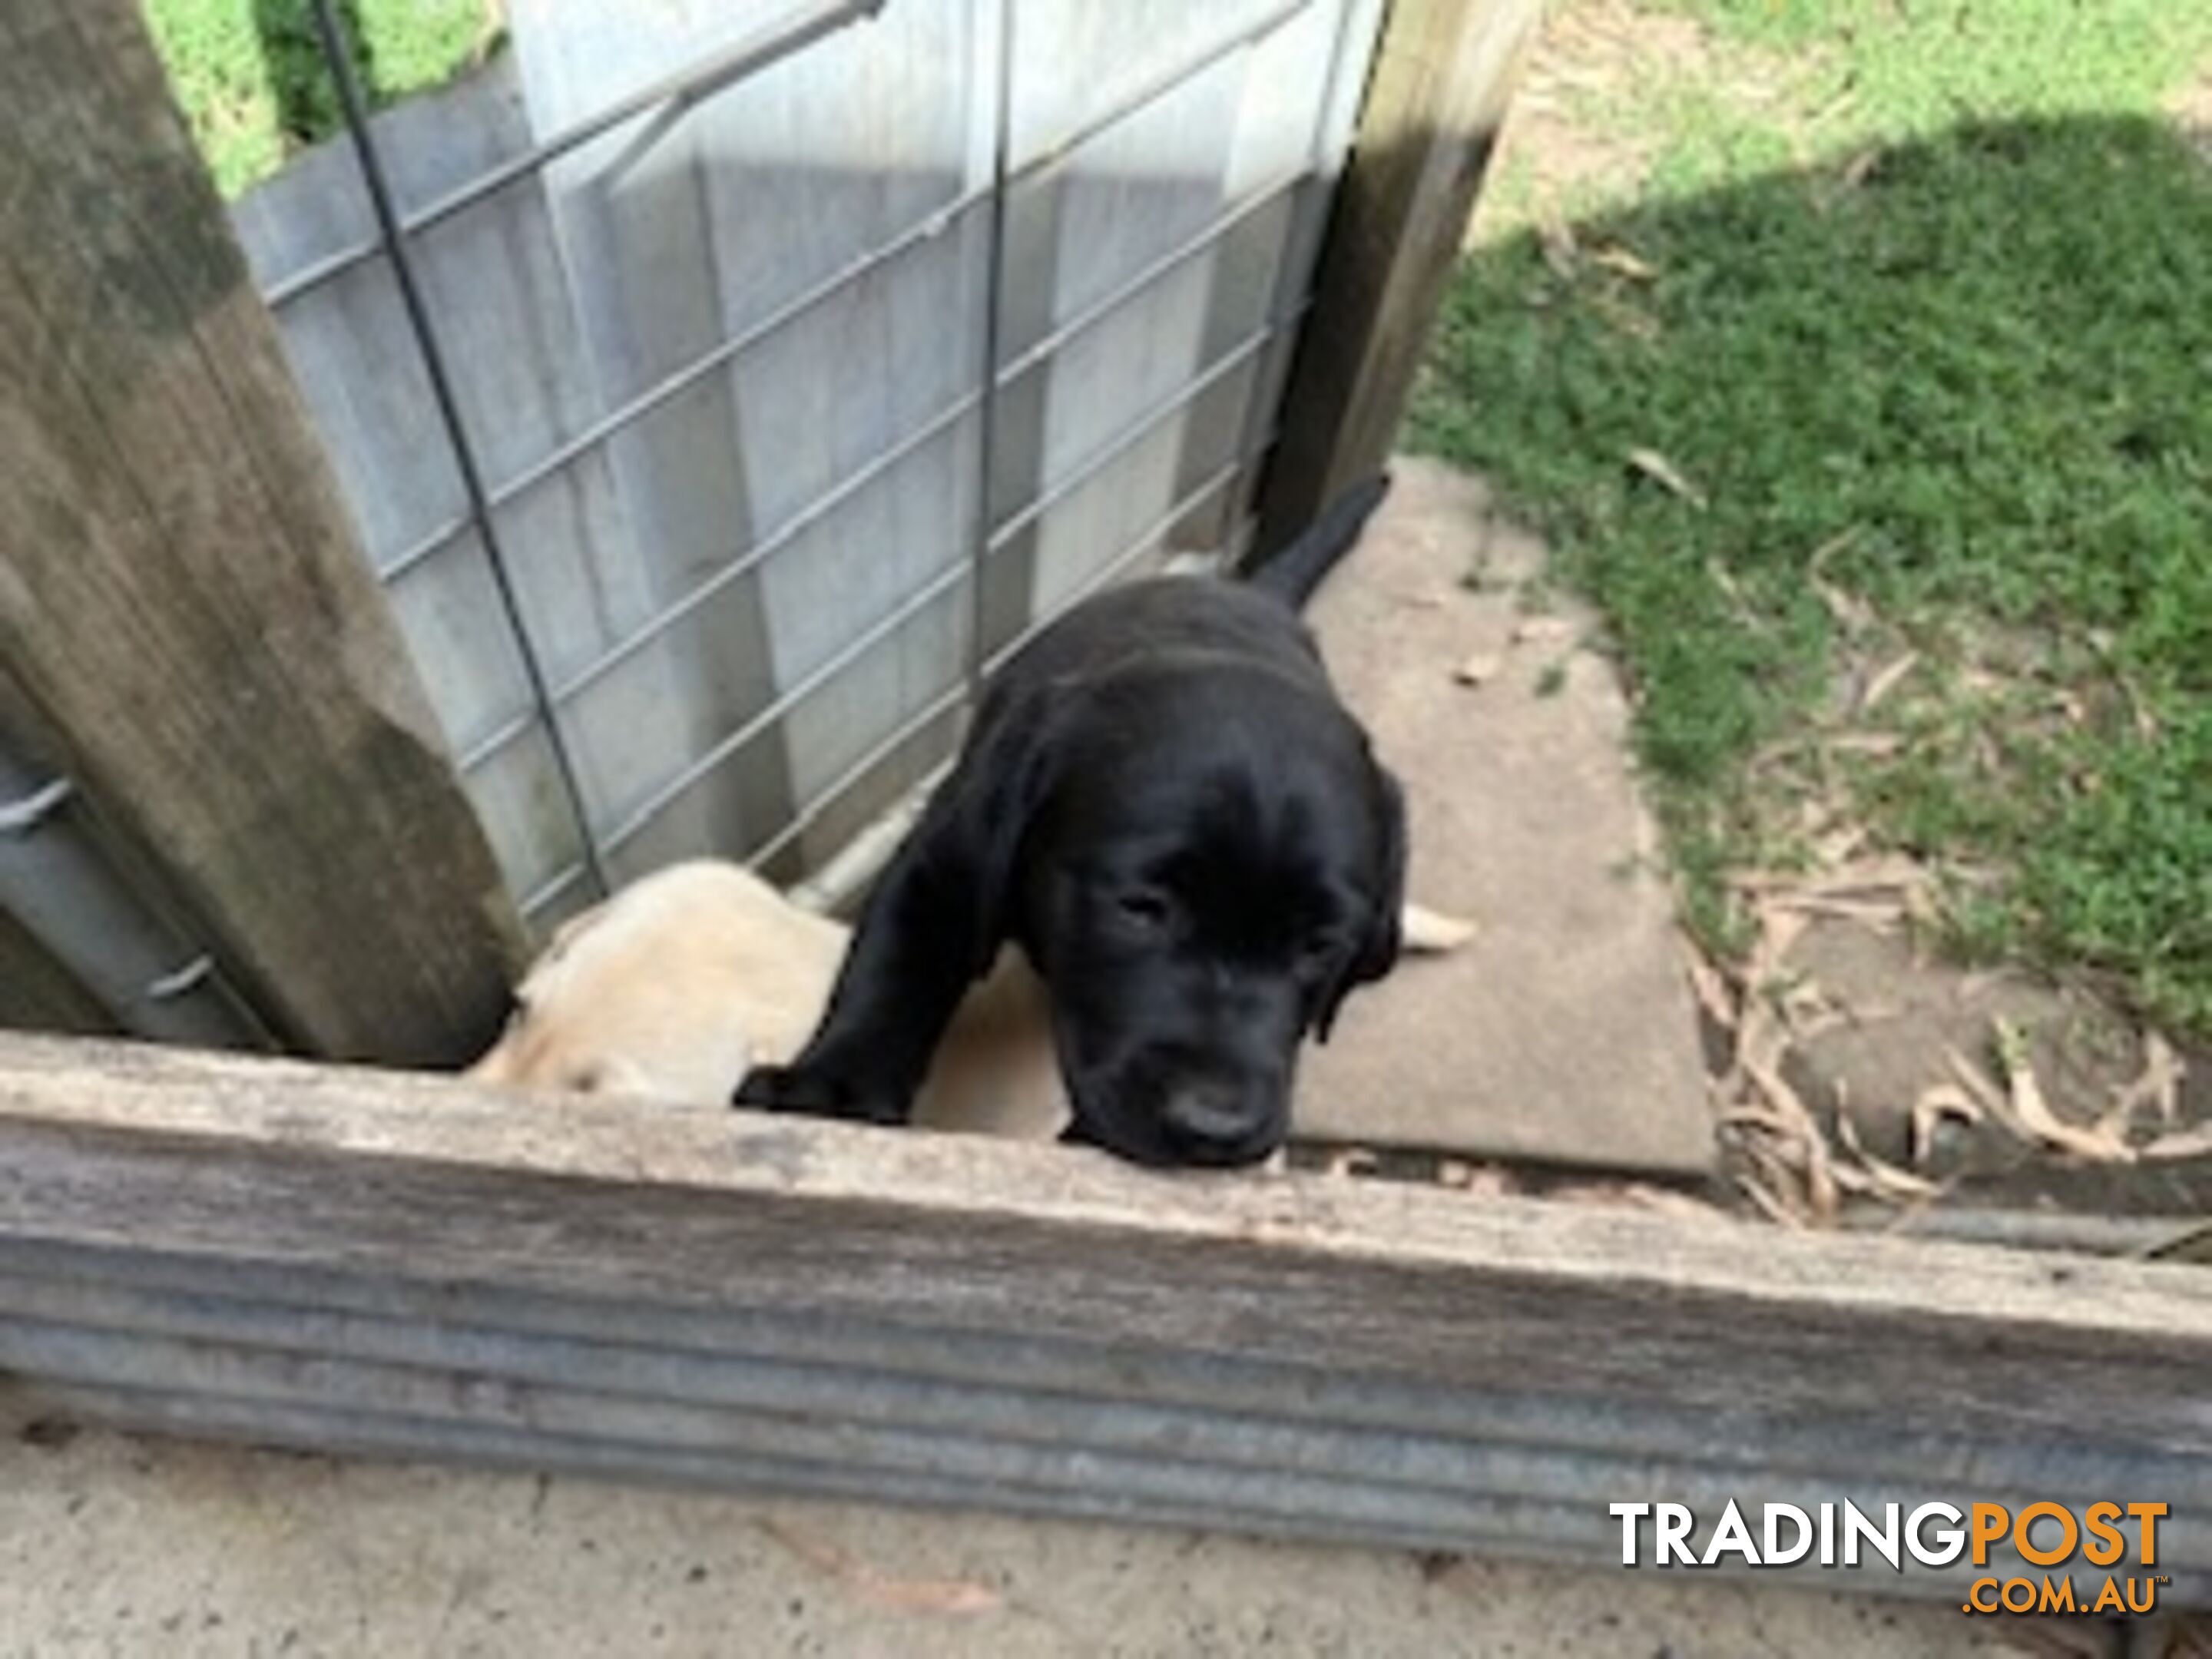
[{"x": 2043, "y": 1535}]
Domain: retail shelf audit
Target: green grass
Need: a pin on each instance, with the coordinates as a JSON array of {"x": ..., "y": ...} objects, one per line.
[
  {"x": 250, "y": 80},
  {"x": 1976, "y": 378},
  {"x": 1922, "y": 67}
]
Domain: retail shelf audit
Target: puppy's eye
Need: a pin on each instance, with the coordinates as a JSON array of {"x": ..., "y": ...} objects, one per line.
[
  {"x": 1317, "y": 951},
  {"x": 1143, "y": 909}
]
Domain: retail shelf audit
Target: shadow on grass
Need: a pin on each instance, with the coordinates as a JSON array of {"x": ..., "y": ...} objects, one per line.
[
  {"x": 1959, "y": 404},
  {"x": 303, "y": 84}
]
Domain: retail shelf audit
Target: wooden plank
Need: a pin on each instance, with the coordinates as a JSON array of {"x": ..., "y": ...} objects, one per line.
[
  {"x": 406, "y": 1263},
  {"x": 180, "y": 596},
  {"x": 1443, "y": 75},
  {"x": 428, "y": 1176}
]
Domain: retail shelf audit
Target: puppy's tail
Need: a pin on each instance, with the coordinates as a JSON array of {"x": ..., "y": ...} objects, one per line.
[{"x": 1293, "y": 575}]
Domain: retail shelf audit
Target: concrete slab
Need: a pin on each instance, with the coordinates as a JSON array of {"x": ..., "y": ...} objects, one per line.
[
  {"x": 115, "y": 1546},
  {"x": 1564, "y": 1031}
]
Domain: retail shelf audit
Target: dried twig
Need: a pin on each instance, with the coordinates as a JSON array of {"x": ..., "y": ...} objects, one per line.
[
  {"x": 1772, "y": 1208},
  {"x": 1887, "y": 681},
  {"x": 1990, "y": 1099},
  {"x": 1433, "y": 932},
  {"x": 1880, "y": 744},
  {"x": 2033, "y": 1112},
  {"x": 1886, "y": 1177},
  {"x": 1880, "y": 914},
  {"x": 1664, "y": 473},
  {"x": 952, "y": 1596},
  {"x": 1802, "y": 1138},
  {"x": 1710, "y": 987},
  {"x": 2157, "y": 1085},
  {"x": 2192, "y": 1143},
  {"x": 1624, "y": 262}
]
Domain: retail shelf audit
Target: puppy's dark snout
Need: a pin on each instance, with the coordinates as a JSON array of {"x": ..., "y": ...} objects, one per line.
[
  {"x": 1214, "y": 1118},
  {"x": 1209, "y": 1110}
]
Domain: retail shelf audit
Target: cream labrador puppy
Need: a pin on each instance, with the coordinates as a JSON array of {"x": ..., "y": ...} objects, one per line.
[{"x": 672, "y": 988}]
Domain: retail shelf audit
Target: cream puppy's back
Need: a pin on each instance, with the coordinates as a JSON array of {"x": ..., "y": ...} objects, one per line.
[{"x": 668, "y": 990}]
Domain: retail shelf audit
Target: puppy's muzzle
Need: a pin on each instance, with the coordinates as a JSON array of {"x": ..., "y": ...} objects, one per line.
[
  {"x": 1216, "y": 1119},
  {"x": 1198, "y": 1113}
]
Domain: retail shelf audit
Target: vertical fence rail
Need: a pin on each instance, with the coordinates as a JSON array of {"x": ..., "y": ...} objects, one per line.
[
  {"x": 1443, "y": 75},
  {"x": 393, "y": 237}
]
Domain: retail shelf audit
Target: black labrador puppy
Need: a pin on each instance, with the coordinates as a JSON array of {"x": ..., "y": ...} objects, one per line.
[{"x": 1164, "y": 804}]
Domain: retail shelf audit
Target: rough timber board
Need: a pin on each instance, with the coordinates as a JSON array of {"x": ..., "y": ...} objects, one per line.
[
  {"x": 181, "y": 605},
  {"x": 1564, "y": 1031},
  {"x": 408, "y": 1265},
  {"x": 1442, "y": 76}
]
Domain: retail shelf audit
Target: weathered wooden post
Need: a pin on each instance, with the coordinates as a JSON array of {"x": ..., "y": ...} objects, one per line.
[
  {"x": 1436, "y": 97},
  {"x": 182, "y": 607}
]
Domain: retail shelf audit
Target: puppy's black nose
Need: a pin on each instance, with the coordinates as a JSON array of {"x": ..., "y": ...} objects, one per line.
[{"x": 1211, "y": 1113}]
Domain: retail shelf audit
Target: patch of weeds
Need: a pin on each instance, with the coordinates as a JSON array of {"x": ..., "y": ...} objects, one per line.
[{"x": 1551, "y": 678}]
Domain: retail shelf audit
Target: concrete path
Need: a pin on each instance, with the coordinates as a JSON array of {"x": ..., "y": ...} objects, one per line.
[
  {"x": 1564, "y": 1031},
  {"x": 113, "y": 1545}
]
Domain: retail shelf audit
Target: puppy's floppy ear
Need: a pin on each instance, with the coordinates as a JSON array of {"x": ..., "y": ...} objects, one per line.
[{"x": 1378, "y": 949}]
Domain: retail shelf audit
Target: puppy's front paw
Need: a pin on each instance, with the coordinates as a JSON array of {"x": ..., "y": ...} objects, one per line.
[
  {"x": 811, "y": 1091},
  {"x": 787, "y": 1089}
]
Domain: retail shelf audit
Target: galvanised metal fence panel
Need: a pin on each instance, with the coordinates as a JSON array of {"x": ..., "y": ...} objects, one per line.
[{"x": 710, "y": 292}]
